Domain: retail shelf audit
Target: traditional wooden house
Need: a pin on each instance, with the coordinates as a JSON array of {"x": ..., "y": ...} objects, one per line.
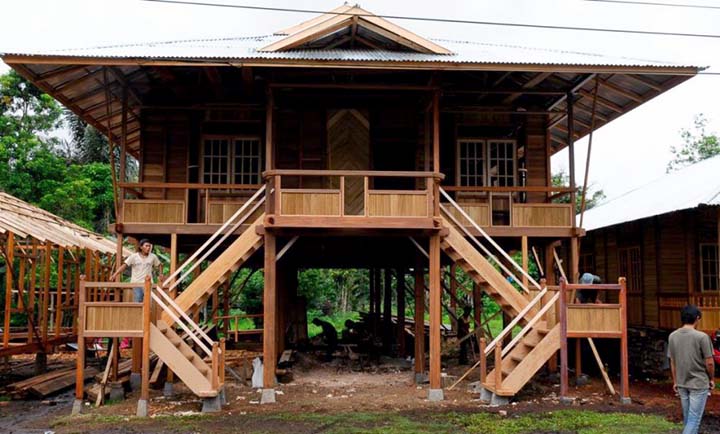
[
  {"x": 347, "y": 141},
  {"x": 663, "y": 237}
]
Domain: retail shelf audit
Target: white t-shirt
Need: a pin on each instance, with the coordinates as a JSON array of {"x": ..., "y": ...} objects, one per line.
[{"x": 141, "y": 266}]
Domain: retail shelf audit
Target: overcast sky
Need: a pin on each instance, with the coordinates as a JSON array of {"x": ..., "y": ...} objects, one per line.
[{"x": 628, "y": 152}]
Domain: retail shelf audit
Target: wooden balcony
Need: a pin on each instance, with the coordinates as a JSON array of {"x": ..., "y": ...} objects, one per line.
[
  {"x": 708, "y": 302},
  {"x": 509, "y": 211},
  {"x": 351, "y": 199}
]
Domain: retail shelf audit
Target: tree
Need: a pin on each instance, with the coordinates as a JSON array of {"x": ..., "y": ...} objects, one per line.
[
  {"x": 562, "y": 179},
  {"x": 697, "y": 145}
]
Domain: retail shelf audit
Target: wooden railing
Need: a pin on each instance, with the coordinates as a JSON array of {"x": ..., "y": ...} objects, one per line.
[
  {"x": 510, "y": 206},
  {"x": 351, "y": 193},
  {"x": 232, "y": 325},
  {"x": 167, "y": 203},
  {"x": 708, "y": 302}
]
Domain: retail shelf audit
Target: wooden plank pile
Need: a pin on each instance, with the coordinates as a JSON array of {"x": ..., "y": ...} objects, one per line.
[{"x": 46, "y": 384}]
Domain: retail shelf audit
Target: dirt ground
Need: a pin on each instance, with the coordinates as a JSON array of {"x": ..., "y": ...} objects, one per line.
[{"x": 324, "y": 390}]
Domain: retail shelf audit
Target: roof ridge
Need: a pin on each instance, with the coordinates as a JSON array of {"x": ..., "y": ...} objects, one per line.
[{"x": 165, "y": 42}]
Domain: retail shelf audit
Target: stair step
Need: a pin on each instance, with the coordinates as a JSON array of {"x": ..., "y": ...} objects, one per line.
[
  {"x": 542, "y": 331},
  {"x": 517, "y": 358}
]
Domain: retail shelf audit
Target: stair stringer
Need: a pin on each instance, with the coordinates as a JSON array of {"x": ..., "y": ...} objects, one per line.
[
  {"x": 515, "y": 301},
  {"x": 523, "y": 372},
  {"x": 217, "y": 272},
  {"x": 188, "y": 371}
]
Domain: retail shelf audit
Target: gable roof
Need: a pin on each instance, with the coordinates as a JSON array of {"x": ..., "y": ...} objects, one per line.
[
  {"x": 687, "y": 188},
  {"x": 352, "y": 24}
]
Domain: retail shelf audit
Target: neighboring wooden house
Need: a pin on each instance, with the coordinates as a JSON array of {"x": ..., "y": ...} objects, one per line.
[
  {"x": 345, "y": 141},
  {"x": 663, "y": 237}
]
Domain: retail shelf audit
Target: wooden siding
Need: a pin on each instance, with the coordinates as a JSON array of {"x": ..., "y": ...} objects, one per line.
[
  {"x": 544, "y": 215},
  {"x": 154, "y": 211},
  {"x": 311, "y": 202},
  {"x": 397, "y": 204}
]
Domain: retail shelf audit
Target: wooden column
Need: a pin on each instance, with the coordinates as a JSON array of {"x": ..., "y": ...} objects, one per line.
[
  {"x": 80, "y": 360},
  {"x": 170, "y": 379},
  {"x": 477, "y": 309},
  {"x": 377, "y": 301},
  {"x": 400, "y": 289},
  {"x": 550, "y": 279},
  {"x": 123, "y": 154},
  {"x": 269, "y": 312},
  {"x": 453, "y": 299},
  {"x": 436, "y": 150},
  {"x": 58, "y": 297},
  {"x": 9, "y": 257},
  {"x": 419, "y": 320},
  {"x": 387, "y": 311},
  {"x": 563, "y": 342},
  {"x": 45, "y": 303},
  {"x": 574, "y": 260},
  {"x": 435, "y": 319},
  {"x": 269, "y": 148},
  {"x": 624, "y": 368},
  {"x": 524, "y": 249},
  {"x": 571, "y": 151},
  {"x": 145, "y": 372},
  {"x": 371, "y": 293}
]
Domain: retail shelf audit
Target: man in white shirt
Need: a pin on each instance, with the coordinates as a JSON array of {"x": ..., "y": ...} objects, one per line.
[{"x": 141, "y": 264}]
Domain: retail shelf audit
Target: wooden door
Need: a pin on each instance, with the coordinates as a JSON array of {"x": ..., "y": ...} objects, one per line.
[{"x": 348, "y": 138}]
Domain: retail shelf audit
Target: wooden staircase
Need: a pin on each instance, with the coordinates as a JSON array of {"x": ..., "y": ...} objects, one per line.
[
  {"x": 220, "y": 270},
  {"x": 536, "y": 343},
  {"x": 188, "y": 365}
]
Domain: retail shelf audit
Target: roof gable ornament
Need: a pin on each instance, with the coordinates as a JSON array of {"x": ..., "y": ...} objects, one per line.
[{"x": 350, "y": 27}]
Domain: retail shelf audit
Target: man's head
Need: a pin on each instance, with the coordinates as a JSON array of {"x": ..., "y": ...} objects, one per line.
[
  {"x": 589, "y": 279},
  {"x": 144, "y": 246},
  {"x": 690, "y": 314}
]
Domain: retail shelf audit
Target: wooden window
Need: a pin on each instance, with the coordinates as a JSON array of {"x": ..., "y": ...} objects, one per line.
[
  {"x": 630, "y": 267},
  {"x": 231, "y": 160},
  {"x": 501, "y": 163},
  {"x": 471, "y": 163},
  {"x": 483, "y": 162},
  {"x": 709, "y": 267}
]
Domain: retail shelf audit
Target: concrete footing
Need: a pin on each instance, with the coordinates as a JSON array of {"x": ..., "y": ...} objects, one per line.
[
  {"x": 135, "y": 380},
  {"x": 223, "y": 396},
  {"x": 211, "y": 405},
  {"x": 168, "y": 390},
  {"x": 421, "y": 378},
  {"x": 625, "y": 401},
  {"x": 567, "y": 400},
  {"x": 40, "y": 363},
  {"x": 117, "y": 392},
  {"x": 435, "y": 395},
  {"x": 77, "y": 407},
  {"x": 142, "y": 408},
  {"x": 486, "y": 395},
  {"x": 497, "y": 400},
  {"x": 268, "y": 396}
]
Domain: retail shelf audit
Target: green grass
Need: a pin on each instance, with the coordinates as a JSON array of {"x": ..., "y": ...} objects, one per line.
[
  {"x": 570, "y": 421},
  {"x": 372, "y": 423}
]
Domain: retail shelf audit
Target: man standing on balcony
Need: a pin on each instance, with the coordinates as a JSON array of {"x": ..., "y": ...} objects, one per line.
[
  {"x": 141, "y": 264},
  {"x": 692, "y": 366}
]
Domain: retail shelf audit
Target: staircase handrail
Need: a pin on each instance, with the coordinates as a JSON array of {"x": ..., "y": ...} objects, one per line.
[
  {"x": 530, "y": 324},
  {"x": 241, "y": 214},
  {"x": 515, "y": 321},
  {"x": 489, "y": 239},
  {"x": 192, "y": 324}
]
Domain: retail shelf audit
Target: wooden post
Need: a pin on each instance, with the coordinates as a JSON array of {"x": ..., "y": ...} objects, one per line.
[
  {"x": 571, "y": 152},
  {"x": 550, "y": 279},
  {"x": 387, "y": 311},
  {"x": 453, "y": 299},
  {"x": 624, "y": 368},
  {"x": 214, "y": 367},
  {"x": 483, "y": 360},
  {"x": 498, "y": 366},
  {"x": 436, "y": 150},
  {"x": 80, "y": 361},
  {"x": 419, "y": 320},
  {"x": 222, "y": 361},
  {"x": 269, "y": 133},
  {"x": 377, "y": 301},
  {"x": 563, "y": 342},
  {"x": 47, "y": 262},
  {"x": 524, "y": 248},
  {"x": 9, "y": 257},
  {"x": 477, "y": 309},
  {"x": 400, "y": 294},
  {"x": 58, "y": 298},
  {"x": 145, "y": 374},
  {"x": 436, "y": 392},
  {"x": 269, "y": 319},
  {"x": 578, "y": 358},
  {"x": 170, "y": 379},
  {"x": 574, "y": 260}
]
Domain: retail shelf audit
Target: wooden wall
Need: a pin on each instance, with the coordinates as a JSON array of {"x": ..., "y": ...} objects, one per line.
[{"x": 669, "y": 248}]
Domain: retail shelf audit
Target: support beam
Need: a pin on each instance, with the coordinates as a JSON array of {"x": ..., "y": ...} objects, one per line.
[
  {"x": 269, "y": 148},
  {"x": 9, "y": 256},
  {"x": 419, "y": 320},
  {"x": 269, "y": 319},
  {"x": 436, "y": 392}
]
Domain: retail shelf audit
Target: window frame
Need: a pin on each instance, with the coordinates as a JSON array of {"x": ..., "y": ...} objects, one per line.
[
  {"x": 628, "y": 264},
  {"x": 231, "y": 164},
  {"x": 701, "y": 261},
  {"x": 486, "y": 177}
]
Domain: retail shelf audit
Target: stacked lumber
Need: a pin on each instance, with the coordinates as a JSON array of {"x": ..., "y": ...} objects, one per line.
[{"x": 46, "y": 384}]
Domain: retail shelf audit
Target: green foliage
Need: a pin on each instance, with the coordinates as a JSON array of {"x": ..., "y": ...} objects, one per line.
[
  {"x": 562, "y": 179},
  {"x": 697, "y": 145}
]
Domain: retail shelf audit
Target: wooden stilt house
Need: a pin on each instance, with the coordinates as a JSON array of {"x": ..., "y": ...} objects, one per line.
[{"x": 349, "y": 141}]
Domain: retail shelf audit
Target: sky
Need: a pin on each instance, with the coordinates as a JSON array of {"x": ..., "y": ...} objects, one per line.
[{"x": 627, "y": 153}]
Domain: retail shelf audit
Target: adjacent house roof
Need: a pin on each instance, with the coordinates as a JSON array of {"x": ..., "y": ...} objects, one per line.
[
  {"x": 687, "y": 188},
  {"x": 25, "y": 220}
]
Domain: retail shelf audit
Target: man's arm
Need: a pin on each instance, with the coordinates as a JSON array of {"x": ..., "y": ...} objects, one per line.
[
  {"x": 674, "y": 376},
  {"x": 710, "y": 368},
  {"x": 119, "y": 271}
]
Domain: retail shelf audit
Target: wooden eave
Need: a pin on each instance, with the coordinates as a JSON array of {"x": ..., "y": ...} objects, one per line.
[{"x": 79, "y": 84}]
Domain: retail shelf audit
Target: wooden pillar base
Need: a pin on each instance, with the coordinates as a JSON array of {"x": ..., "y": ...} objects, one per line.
[
  {"x": 435, "y": 395},
  {"x": 268, "y": 396},
  {"x": 77, "y": 407}
]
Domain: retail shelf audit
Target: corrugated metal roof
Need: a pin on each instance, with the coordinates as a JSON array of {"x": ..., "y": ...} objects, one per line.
[
  {"x": 687, "y": 188},
  {"x": 246, "y": 48}
]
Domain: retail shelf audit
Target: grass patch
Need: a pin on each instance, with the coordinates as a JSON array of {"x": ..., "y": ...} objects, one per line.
[
  {"x": 570, "y": 421},
  {"x": 372, "y": 423}
]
